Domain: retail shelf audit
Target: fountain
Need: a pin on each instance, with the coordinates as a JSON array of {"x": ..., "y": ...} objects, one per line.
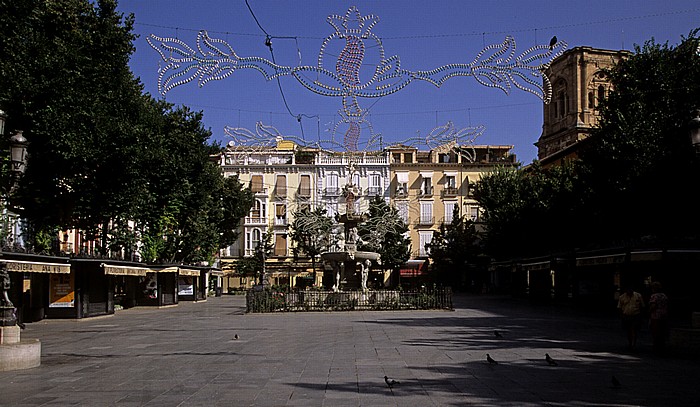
[{"x": 345, "y": 262}]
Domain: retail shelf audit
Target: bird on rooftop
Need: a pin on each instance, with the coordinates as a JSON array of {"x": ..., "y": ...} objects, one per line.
[
  {"x": 490, "y": 359},
  {"x": 615, "y": 383},
  {"x": 497, "y": 334},
  {"x": 552, "y": 42},
  {"x": 550, "y": 361},
  {"x": 390, "y": 382}
]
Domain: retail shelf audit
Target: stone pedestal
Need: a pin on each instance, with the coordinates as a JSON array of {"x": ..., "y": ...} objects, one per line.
[{"x": 16, "y": 354}]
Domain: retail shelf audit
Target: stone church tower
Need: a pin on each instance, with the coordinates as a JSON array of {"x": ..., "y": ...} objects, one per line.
[{"x": 578, "y": 84}]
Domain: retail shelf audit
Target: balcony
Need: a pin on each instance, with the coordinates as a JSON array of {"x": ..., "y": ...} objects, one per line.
[
  {"x": 374, "y": 191},
  {"x": 304, "y": 193},
  {"x": 426, "y": 192},
  {"x": 449, "y": 192},
  {"x": 280, "y": 221},
  {"x": 332, "y": 191},
  {"x": 425, "y": 221},
  {"x": 281, "y": 192},
  {"x": 259, "y": 191},
  {"x": 254, "y": 220}
]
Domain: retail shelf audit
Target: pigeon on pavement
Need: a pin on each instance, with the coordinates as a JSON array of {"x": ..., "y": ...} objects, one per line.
[
  {"x": 550, "y": 361},
  {"x": 235, "y": 336},
  {"x": 490, "y": 359},
  {"x": 390, "y": 382}
]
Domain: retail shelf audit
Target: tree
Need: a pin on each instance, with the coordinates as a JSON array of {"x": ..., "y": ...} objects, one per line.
[
  {"x": 69, "y": 87},
  {"x": 255, "y": 265},
  {"x": 642, "y": 150},
  {"x": 311, "y": 232},
  {"x": 455, "y": 250},
  {"x": 385, "y": 232}
]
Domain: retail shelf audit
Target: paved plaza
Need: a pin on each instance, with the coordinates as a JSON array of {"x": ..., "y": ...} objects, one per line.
[{"x": 187, "y": 355}]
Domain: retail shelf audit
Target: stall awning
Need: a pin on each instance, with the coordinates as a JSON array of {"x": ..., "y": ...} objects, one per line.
[
  {"x": 541, "y": 265},
  {"x": 167, "y": 270},
  {"x": 115, "y": 270},
  {"x": 188, "y": 272},
  {"x": 601, "y": 260},
  {"x": 36, "y": 267},
  {"x": 413, "y": 268},
  {"x": 647, "y": 255},
  {"x": 219, "y": 273}
]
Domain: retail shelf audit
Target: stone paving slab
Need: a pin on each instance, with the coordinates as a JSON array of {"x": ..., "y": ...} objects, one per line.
[{"x": 187, "y": 356}]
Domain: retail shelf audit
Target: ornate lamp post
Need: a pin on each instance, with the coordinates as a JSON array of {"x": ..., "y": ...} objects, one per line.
[{"x": 18, "y": 152}]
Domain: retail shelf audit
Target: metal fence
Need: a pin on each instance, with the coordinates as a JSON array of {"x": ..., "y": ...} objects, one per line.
[{"x": 315, "y": 300}]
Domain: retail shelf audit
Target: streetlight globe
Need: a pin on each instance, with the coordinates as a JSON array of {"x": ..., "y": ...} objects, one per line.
[
  {"x": 3, "y": 118},
  {"x": 694, "y": 130},
  {"x": 18, "y": 152}
]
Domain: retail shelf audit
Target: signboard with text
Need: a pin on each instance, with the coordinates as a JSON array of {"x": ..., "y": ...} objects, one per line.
[{"x": 61, "y": 291}]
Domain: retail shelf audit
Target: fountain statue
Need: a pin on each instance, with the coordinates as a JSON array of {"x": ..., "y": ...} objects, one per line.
[{"x": 348, "y": 261}]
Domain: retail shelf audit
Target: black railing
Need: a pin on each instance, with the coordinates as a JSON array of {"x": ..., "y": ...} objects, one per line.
[{"x": 315, "y": 300}]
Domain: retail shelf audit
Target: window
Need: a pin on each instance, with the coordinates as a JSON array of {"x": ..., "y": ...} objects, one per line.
[
  {"x": 591, "y": 101},
  {"x": 280, "y": 245},
  {"x": 474, "y": 213},
  {"x": 426, "y": 213},
  {"x": 356, "y": 179},
  {"x": 375, "y": 184},
  {"x": 281, "y": 186},
  {"x": 401, "y": 184},
  {"x": 450, "y": 181},
  {"x": 332, "y": 184},
  {"x": 449, "y": 211},
  {"x": 305, "y": 186},
  {"x": 332, "y": 209},
  {"x": 407, "y": 157},
  {"x": 258, "y": 209},
  {"x": 256, "y": 184},
  {"x": 444, "y": 158},
  {"x": 601, "y": 93},
  {"x": 402, "y": 208},
  {"x": 426, "y": 186},
  {"x": 280, "y": 214},
  {"x": 252, "y": 240},
  {"x": 425, "y": 238},
  {"x": 396, "y": 157}
]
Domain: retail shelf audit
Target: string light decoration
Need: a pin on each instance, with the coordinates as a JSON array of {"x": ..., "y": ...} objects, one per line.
[{"x": 496, "y": 66}]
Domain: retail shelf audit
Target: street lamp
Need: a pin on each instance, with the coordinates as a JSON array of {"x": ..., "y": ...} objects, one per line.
[
  {"x": 3, "y": 118},
  {"x": 18, "y": 152},
  {"x": 694, "y": 130}
]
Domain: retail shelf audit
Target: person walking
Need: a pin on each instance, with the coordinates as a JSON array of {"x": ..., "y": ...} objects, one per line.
[
  {"x": 658, "y": 317},
  {"x": 630, "y": 306}
]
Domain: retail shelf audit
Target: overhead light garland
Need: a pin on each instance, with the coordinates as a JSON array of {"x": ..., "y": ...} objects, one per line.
[{"x": 496, "y": 66}]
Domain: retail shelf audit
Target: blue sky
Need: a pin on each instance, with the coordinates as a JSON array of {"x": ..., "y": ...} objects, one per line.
[{"x": 424, "y": 34}]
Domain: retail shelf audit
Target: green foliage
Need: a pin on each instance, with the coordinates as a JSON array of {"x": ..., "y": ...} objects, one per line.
[
  {"x": 454, "y": 249},
  {"x": 101, "y": 153},
  {"x": 254, "y": 265},
  {"x": 384, "y": 232},
  {"x": 630, "y": 186},
  {"x": 642, "y": 148}
]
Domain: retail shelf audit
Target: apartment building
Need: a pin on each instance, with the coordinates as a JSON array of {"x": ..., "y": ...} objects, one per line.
[{"x": 427, "y": 186}]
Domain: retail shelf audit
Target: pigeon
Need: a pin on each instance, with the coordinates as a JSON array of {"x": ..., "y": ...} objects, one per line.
[
  {"x": 552, "y": 42},
  {"x": 497, "y": 334},
  {"x": 550, "y": 361},
  {"x": 490, "y": 359},
  {"x": 390, "y": 382},
  {"x": 235, "y": 336},
  {"x": 615, "y": 383}
]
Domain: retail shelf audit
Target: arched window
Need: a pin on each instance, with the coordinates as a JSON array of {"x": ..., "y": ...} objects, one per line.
[{"x": 601, "y": 93}]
